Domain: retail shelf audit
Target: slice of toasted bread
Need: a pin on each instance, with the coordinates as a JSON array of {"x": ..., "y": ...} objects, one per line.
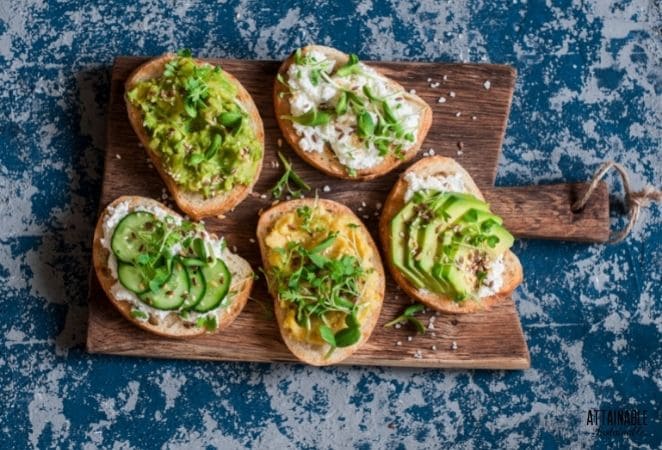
[
  {"x": 310, "y": 353},
  {"x": 327, "y": 161},
  {"x": 192, "y": 203},
  {"x": 439, "y": 165},
  {"x": 171, "y": 325}
]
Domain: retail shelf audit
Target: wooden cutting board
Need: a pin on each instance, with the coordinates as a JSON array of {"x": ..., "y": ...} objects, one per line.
[{"x": 468, "y": 126}]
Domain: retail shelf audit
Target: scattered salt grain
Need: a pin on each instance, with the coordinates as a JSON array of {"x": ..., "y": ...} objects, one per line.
[
  {"x": 445, "y": 78},
  {"x": 454, "y": 346},
  {"x": 279, "y": 142},
  {"x": 378, "y": 205},
  {"x": 263, "y": 196},
  {"x": 326, "y": 188},
  {"x": 412, "y": 91},
  {"x": 398, "y": 326},
  {"x": 452, "y": 94},
  {"x": 252, "y": 241},
  {"x": 441, "y": 100},
  {"x": 487, "y": 85},
  {"x": 118, "y": 156},
  {"x": 434, "y": 85},
  {"x": 474, "y": 117},
  {"x": 429, "y": 79},
  {"x": 458, "y": 114},
  {"x": 398, "y": 343},
  {"x": 434, "y": 348},
  {"x": 409, "y": 338}
]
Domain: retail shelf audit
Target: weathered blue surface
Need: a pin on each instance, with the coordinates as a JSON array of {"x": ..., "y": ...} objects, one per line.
[{"x": 589, "y": 89}]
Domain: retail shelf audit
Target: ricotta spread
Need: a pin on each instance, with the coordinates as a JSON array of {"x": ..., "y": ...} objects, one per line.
[{"x": 340, "y": 133}]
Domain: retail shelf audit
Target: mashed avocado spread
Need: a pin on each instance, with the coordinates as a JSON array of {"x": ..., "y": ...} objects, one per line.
[{"x": 198, "y": 127}]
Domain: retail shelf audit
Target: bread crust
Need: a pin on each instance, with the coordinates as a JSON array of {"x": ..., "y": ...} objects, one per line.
[
  {"x": 172, "y": 327},
  {"x": 193, "y": 204},
  {"x": 513, "y": 275},
  {"x": 309, "y": 353},
  {"x": 327, "y": 161}
]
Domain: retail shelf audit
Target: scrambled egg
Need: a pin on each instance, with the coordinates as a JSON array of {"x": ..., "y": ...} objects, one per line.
[{"x": 351, "y": 240}]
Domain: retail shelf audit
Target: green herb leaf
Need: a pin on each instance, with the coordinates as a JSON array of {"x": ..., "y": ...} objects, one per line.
[
  {"x": 327, "y": 335},
  {"x": 195, "y": 158},
  {"x": 341, "y": 106},
  {"x": 408, "y": 316},
  {"x": 417, "y": 324},
  {"x": 368, "y": 93},
  {"x": 388, "y": 113},
  {"x": 283, "y": 183},
  {"x": 365, "y": 124},
  {"x": 347, "y": 336},
  {"x": 312, "y": 118},
  {"x": 193, "y": 262},
  {"x": 199, "y": 248},
  {"x": 215, "y": 145},
  {"x": 138, "y": 314},
  {"x": 230, "y": 120},
  {"x": 184, "y": 53},
  {"x": 143, "y": 259},
  {"x": 352, "y": 67},
  {"x": 208, "y": 322}
]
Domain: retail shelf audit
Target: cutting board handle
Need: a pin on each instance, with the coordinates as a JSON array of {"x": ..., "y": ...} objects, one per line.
[
  {"x": 545, "y": 211},
  {"x": 570, "y": 212}
]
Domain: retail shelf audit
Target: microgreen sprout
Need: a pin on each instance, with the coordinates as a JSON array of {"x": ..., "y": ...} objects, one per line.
[
  {"x": 409, "y": 316},
  {"x": 288, "y": 178}
]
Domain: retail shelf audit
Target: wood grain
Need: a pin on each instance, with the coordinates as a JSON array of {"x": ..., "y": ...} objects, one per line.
[{"x": 485, "y": 340}]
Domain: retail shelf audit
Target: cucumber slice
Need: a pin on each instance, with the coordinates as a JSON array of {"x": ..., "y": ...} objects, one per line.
[
  {"x": 129, "y": 237},
  {"x": 173, "y": 293},
  {"x": 132, "y": 278},
  {"x": 197, "y": 287},
  {"x": 217, "y": 277}
]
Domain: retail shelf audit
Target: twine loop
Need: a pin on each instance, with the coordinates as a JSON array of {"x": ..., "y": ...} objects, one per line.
[{"x": 634, "y": 200}]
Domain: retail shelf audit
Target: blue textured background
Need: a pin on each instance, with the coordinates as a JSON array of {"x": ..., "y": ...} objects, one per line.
[{"x": 589, "y": 89}]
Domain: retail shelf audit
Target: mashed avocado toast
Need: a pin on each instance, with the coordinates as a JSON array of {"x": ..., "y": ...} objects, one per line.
[
  {"x": 444, "y": 247},
  {"x": 326, "y": 276},
  {"x": 166, "y": 274},
  {"x": 344, "y": 117},
  {"x": 201, "y": 129}
]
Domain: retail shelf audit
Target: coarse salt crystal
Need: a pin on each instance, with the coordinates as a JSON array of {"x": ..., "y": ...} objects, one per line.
[
  {"x": 398, "y": 326},
  {"x": 412, "y": 91},
  {"x": 409, "y": 338},
  {"x": 118, "y": 156},
  {"x": 451, "y": 93},
  {"x": 454, "y": 345},
  {"x": 398, "y": 343},
  {"x": 252, "y": 241},
  {"x": 458, "y": 114},
  {"x": 441, "y": 100},
  {"x": 487, "y": 84},
  {"x": 326, "y": 188}
]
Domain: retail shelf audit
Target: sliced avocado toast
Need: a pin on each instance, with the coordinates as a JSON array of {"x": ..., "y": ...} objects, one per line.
[
  {"x": 166, "y": 274},
  {"x": 447, "y": 249}
]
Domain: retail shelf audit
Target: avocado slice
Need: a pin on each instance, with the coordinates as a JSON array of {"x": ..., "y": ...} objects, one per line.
[
  {"x": 447, "y": 211},
  {"x": 399, "y": 228},
  {"x": 422, "y": 236},
  {"x": 458, "y": 281}
]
